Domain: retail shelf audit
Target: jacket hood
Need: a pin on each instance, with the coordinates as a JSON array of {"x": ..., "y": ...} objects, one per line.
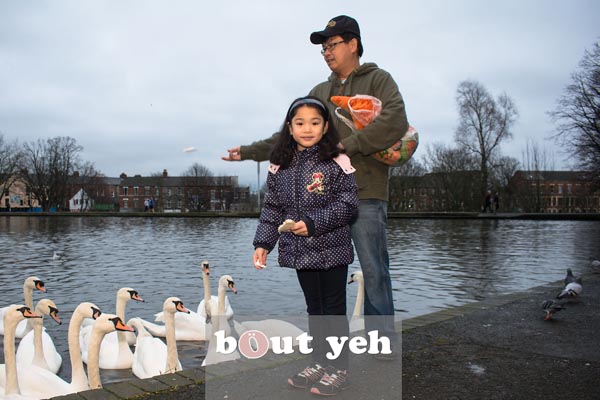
[{"x": 361, "y": 70}]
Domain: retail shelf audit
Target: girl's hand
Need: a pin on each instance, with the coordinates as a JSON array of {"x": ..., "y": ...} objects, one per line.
[
  {"x": 260, "y": 258},
  {"x": 300, "y": 229}
]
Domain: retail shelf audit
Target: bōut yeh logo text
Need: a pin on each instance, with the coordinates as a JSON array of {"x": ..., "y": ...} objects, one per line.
[{"x": 254, "y": 344}]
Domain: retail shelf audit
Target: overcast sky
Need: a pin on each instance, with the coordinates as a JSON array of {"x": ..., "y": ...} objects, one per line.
[{"x": 135, "y": 82}]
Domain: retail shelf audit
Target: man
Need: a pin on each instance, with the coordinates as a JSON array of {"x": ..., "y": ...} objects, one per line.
[{"x": 342, "y": 49}]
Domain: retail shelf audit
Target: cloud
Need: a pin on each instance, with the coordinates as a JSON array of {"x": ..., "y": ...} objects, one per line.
[{"x": 134, "y": 82}]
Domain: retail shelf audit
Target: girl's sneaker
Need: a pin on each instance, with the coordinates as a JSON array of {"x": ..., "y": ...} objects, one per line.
[
  {"x": 309, "y": 376},
  {"x": 332, "y": 382}
]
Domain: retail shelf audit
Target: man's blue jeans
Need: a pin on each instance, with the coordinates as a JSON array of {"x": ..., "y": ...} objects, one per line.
[{"x": 369, "y": 234}]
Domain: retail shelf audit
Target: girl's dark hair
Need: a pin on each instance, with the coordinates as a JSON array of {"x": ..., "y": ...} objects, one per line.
[{"x": 285, "y": 146}]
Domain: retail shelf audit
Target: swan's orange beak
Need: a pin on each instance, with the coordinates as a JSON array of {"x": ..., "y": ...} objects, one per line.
[
  {"x": 231, "y": 287},
  {"x": 120, "y": 326},
  {"x": 181, "y": 308},
  {"x": 96, "y": 313},
  {"x": 26, "y": 311},
  {"x": 54, "y": 315},
  {"x": 206, "y": 268},
  {"x": 135, "y": 296},
  {"x": 39, "y": 285}
]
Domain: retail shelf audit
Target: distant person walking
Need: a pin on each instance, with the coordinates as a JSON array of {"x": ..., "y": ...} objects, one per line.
[
  {"x": 487, "y": 203},
  {"x": 151, "y": 204},
  {"x": 496, "y": 202}
]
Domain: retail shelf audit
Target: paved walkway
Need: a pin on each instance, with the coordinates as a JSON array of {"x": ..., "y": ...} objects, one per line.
[{"x": 500, "y": 348}]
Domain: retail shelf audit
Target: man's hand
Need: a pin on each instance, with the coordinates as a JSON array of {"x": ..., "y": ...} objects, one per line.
[{"x": 234, "y": 154}]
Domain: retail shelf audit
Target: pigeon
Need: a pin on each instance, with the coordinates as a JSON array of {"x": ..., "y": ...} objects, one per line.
[
  {"x": 595, "y": 264},
  {"x": 570, "y": 278},
  {"x": 573, "y": 287},
  {"x": 551, "y": 307}
]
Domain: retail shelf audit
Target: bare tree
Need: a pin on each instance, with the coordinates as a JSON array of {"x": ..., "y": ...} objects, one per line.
[
  {"x": 91, "y": 181},
  {"x": 503, "y": 169},
  {"x": 198, "y": 180},
  {"x": 577, "y": 114},
  {"x": 484, "y": 123},
  {"x": 535, "y": 160},
  {"x": 453, "y": 178},
  {"x": 46, "y": 167},
  {"x": 403, "y": 182},
  {"x": 10, "y": 155}
]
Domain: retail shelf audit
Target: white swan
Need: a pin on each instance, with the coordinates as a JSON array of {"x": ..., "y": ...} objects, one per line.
[
  {"x": 114, "y": 352},
  {"x": 103, "y": 325},
  {"x": 31, "y": 283},
  {"x": 188, "y": 327},
  {"x": 357, "y": 322},
  {"x": 152, "y": 356},
  {"x": 219, "y": 322},
  {"x": 211, "y": 301},
  {"x": 37, "y": 346},
  {"x": 85, "y": 310},
  {"x": 11, "y": 318}
]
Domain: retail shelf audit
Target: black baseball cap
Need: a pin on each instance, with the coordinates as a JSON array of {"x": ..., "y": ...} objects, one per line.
[{"x": 336, "y": 26}]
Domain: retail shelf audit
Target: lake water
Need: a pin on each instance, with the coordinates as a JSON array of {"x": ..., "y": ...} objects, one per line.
[{"x": 435, "y": 264}]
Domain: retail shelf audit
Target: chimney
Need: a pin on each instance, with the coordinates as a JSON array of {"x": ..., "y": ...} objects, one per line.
[{"x": 165, "y": 174}]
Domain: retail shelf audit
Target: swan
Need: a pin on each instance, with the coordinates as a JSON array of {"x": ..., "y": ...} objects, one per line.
[
  {"x": 13, "y": 315},
  {"x": 152, "y": 356},
  {"x": 85, "y": 310},
  {"x": 37, "y": 347},
  {"x": 219, "y": 322},
  {"x": 114, "y": 352},
  {"x": 103, "y": 325},
  {"x": 357, "y": 322},
  {"x": 204, "y": 307},
  {"x": 31, "y": 283},
  {"x": 188, "y": 327}
]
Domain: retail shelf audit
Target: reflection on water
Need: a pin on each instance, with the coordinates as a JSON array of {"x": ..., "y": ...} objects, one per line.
[{"x": 434, "y": 264}]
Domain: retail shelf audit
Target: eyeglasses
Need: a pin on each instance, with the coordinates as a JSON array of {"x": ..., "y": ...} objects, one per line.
[{"x": 330, "y": 46}]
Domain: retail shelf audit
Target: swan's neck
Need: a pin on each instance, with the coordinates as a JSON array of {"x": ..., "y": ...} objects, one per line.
[
  {"x": 121, "y": 303},
  {"x": 221, "y": 303},
  {"x": 360, "y": 298},
  {"x": 78, "y": 377},
  {"x": 172, "y": 358},
  {"x": 121, "y": 308},
  {"x": 206, "y": 282},
  {"x": 219, "y": 322},
  {"x": 28, "y": 295},
  {"x": 12, "y": 384},
  {"x": 93, "y": 359},
  {"x": 38, "y": 345}
]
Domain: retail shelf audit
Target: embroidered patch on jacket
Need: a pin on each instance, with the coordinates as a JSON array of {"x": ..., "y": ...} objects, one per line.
[{"x": 316, "y": 185}]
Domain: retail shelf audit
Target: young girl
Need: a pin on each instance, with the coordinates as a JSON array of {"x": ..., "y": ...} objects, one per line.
[{"x": 311, "y": 183}]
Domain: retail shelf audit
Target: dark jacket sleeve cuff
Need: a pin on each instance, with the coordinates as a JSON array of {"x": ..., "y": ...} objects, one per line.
[
  {"x": 310, "y": 225},
  {"x": 263, "y": 246}
]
